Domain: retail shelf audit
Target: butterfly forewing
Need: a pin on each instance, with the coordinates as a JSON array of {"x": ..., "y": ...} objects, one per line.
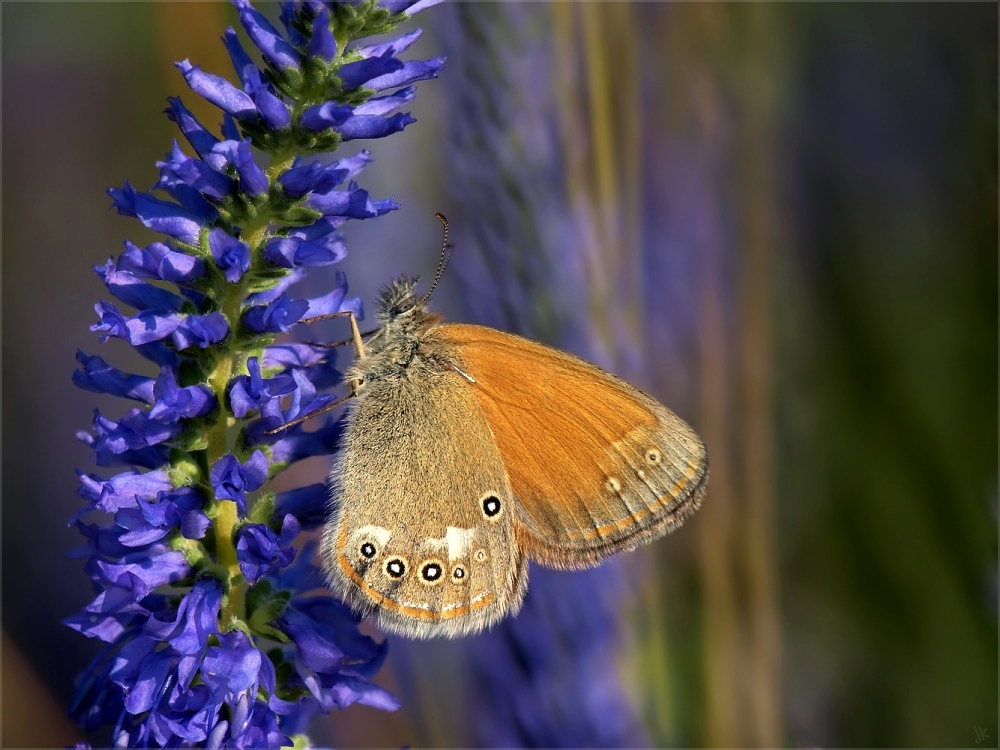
[
  {"x": 596, "y": 466},
  {"x": 422, "y": 530}
]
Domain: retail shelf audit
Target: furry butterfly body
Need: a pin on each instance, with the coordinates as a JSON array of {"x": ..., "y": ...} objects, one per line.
[{"x": 469, "y": 452}]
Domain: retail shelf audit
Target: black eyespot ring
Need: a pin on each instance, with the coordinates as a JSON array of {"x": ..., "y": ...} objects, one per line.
[
  {"x": 431, "y": 572},
  {"x": 492, "y": 506},
  {"x": 458, "y": 574},
  {"x": 395, "y": 567},
  {"x": 368, "y": 550},
  {"x": 480, "y": 555},
  {"x": 653, "y": 456}
]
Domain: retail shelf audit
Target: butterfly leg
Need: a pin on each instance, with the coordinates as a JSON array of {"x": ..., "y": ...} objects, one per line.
[
  {"x": 359, "y": 346},
  {"x": 337, "y": 344},
  {"x": 310, "y": 415}
]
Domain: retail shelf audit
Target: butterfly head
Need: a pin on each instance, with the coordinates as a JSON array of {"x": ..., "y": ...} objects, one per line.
[
  {"x": 401, "y": 308},
  {"x": 399, "y": 301}
]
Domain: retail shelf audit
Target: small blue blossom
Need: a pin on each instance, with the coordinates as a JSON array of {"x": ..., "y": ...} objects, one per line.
[
  {"x": 231, "y": 255},
  {"x": 250, "y": 392},
  {"x": 139, "y": 329},
  {"x": 200, "y": 330},
  {"x": 277, "y": 317},
  {"x": 173, "y": 403},
  {"x": 231, "y": 480},
  {"x": 158, "y": 215},
  {"x": 216, "y": 626},
  {"x": 158, "y": 261},
  {"x": 259, "y": 549}
]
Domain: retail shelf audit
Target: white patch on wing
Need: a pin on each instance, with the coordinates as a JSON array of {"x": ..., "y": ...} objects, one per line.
[
  {"x": 455, "y": 542},
  {"x": 377, "y": 533},
  {"x": 459, "y": 541}
]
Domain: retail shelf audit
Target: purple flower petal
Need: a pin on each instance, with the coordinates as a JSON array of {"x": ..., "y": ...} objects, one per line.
[
  {"x": 322, "y": 45},
  {"x": 218, "y": 91},
  {"x": 141, "y": 329},
  {"x": 133, "y": 291},
  {"x": 274, "y": 48},
  {"x": 392, "y": 47},
  {"x": 231, "y": 255},
  {"x": 242, "y": 63},
  {"x": 200, "y": 138},
  {"x": 383, "y": 105},
  {"x": 153, "y": 570},
  {"x": 100, "y": 377},
  {"x": 158, "y": 261},
  {"x": 179, "y": 170},
  {"x": 259, "y": 548},
  {"x": 134, "y": 430},
  {"x": 231, "y": 480},
  {"x": 373, "y": 126},
  {"x": 197, "y": 618},
  {"x": 247, "y": 393},
  {"x": 160, "y": 216},
  {"x": 252, "y": 177},
  {"x": 276, "y": 317},
  {"x": 353, "y": 202},
  {"x": 407, "y": 6},
  {"x": 334, "y": 301},
  {"x": 355, "y": 74},
  {"x": 174, "y": 403},
  {"x": 319, "y": 117},
  {"x": 201, "y": 331},
  {"x": 410, "y": 72}
]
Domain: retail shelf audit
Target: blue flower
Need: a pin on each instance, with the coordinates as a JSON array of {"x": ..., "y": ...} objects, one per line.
[
  {"x": 173, "y": 403},
  {"x": 231, "y": 480},
  {"x": 259, "y": 548},
  {"x": 158, "y": 215},
  {"x": 216, "y": 632},
  {"x": 231, "y": 255},
  {"x": 249, "y": 392},
  {"x": 200, "y": 330}
]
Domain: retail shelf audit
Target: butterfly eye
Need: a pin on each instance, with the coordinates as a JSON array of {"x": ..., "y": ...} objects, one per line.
[
  {"x": 368, "y": 550},
  {"x": 458, "y": 574},
  {"x": 395, "y": 567},
  {"x": 431, "y": 572},
  {"x": 404, "y": 306},
  {"x": 491, "y": 506}
]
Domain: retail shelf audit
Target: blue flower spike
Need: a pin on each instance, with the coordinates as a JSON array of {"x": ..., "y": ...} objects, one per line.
[{"x": 217, "y": 630}]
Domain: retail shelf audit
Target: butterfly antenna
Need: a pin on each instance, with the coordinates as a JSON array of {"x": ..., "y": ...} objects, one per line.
[{"x": 446, "y": 251}]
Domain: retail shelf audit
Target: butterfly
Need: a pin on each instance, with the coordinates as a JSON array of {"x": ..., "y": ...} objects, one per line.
[{"x": 469, "y": 452}]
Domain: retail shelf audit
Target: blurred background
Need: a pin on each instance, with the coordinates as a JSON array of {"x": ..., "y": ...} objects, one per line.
[{"x": 779, "y": 219}]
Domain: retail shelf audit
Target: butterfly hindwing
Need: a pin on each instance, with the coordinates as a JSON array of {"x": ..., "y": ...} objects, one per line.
[{"x": 422, "y": 527}]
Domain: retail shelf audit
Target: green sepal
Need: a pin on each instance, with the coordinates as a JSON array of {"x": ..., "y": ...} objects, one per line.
[
  {"x": 184, "y": 470},
  {"x": 194, "y": 552},
  {"x": 298, "y": 216},
  {"x": 235, "y": 623},
  {"x": 290, "y": 78},
  {"x": 263, "y": 510},
  {"x": 300, "y": 742},
  {"x": 193, "y": 439},
  {"x": 267, "y": 278},
  {"x": 264, "y": 606},
  {"x": 273, "y": 633}
]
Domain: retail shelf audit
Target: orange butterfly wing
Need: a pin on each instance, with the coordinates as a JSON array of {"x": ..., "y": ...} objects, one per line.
[{"x": 596, "y": 466}]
